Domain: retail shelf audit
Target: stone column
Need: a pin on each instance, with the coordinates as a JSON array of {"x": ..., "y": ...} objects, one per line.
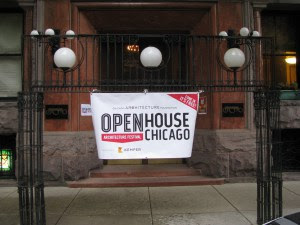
[
  {"x": 39, "y": 20},
  {"x": 256, "y": 25},
  {"x": 248, "y": 22}
]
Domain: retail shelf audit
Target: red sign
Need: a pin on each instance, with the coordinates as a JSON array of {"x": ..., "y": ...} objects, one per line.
[
  {"x": 187, "y": 99},
  {"x": 122, "y": 138},
  {"x": 202, "y": 105}
]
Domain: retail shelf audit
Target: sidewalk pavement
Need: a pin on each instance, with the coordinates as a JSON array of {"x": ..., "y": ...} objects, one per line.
[{"x": 228, "y": 204}]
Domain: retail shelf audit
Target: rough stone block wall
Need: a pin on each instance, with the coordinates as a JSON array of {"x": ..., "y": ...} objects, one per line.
[
  {"x": 289, "y": 114},
  {"x": 224, "y": 153},
  {"x": 8, "y": 117},
  {"x": 217, "y": 153},
  {"x": 69, "y": 155}
]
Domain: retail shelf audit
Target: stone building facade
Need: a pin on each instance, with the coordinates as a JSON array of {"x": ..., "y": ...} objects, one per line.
[{"x": 223, "y": 147}]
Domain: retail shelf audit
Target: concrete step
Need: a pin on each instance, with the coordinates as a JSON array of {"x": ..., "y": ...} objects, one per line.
[
  {"x": 162, "y": 170},
  {"x": 145, "y": 182}
]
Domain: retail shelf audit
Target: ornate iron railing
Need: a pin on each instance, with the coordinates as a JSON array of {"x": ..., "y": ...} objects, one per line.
[
  {"x": 268, "y": 153},
  {"x": 30, "y": 159},
  {"x": 107, "y": 62}
]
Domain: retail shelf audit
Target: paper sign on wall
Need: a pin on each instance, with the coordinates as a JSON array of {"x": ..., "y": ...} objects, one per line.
[
  {"x": 202, "y": 105},
  {"x": 144, "y": 126},
  {"x": 86, "y": 110}
]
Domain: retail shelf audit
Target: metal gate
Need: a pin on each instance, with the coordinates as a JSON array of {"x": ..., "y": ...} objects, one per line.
[{"x": 190, "y": 63}]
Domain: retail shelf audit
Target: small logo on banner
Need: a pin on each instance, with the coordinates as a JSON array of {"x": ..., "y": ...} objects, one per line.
[
  {"x": 120, "y": 150},
  {"x": 122, "y": 138},
  {"x": 190, "y": 100}
]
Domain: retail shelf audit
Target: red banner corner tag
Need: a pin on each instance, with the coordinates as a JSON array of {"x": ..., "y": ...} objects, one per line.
[{"x": 190, "y": 100}]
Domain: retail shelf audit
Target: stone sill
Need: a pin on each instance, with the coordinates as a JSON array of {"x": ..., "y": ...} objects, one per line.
[
  {"x": 240, "y": 180},
  {"x": 289, "y": 103},
  {"x": 289, "y": 114},
  {"x": 291, "y": 176}
]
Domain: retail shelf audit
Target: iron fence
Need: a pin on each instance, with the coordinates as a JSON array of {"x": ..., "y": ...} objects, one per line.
[
  {"x": 30, "y": 159},
  {"x": 111, "y": 62},
  {"x": 269, "y": 158}
]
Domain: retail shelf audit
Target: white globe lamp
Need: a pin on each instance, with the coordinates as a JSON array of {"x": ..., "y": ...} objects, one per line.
[
  {"x": 49, "y": 32},
  {"x": 151, "y": 57},
  {"x": 255, "y": 33},
  {"x": 64, "y": 58},
  {"x": 223, "y": 34},
  {"x": 244, "y": 31},
  {"x": 234, "y": 58},
  {"x": 34, "y": 33},
  {"x": 70, "y": 34}
]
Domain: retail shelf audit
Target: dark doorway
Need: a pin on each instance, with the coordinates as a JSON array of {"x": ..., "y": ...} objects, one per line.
[{"x": 290, "y": 149}]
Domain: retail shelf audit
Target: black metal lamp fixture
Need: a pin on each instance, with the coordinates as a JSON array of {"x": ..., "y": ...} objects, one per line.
[
  {"x": 244, "y": 32},
  {"x": 234, "y": 57},
  {"x": 64, "y": 58}
]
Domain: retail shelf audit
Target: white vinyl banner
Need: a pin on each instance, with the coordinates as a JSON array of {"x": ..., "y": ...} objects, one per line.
[{"x": 144, "y": 125}]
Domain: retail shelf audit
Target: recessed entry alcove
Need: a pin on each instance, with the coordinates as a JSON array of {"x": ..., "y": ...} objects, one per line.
[{"x": 149, "y": 20}]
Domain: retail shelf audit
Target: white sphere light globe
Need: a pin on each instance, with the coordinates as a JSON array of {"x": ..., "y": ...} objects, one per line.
[
  {"x": 34, "y": 33},
  {"x": 64, "y": 58},
  {"x": 70, "y": 33},
  {"x": 255, "y": 34},
  {"x": 151, "y": 57},
  {"x": 49, "y": 32},
  {"x": 234, "y": 58},
  {"x": 223, "y": 34},
  {"x": 244, "y": 31}
]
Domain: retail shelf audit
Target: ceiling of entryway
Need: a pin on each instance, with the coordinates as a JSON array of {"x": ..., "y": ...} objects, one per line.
[{"x": 144, "y": 21}]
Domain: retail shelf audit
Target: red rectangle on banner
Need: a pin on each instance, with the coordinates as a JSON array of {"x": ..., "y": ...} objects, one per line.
[{"x": 122, "y": 138}]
